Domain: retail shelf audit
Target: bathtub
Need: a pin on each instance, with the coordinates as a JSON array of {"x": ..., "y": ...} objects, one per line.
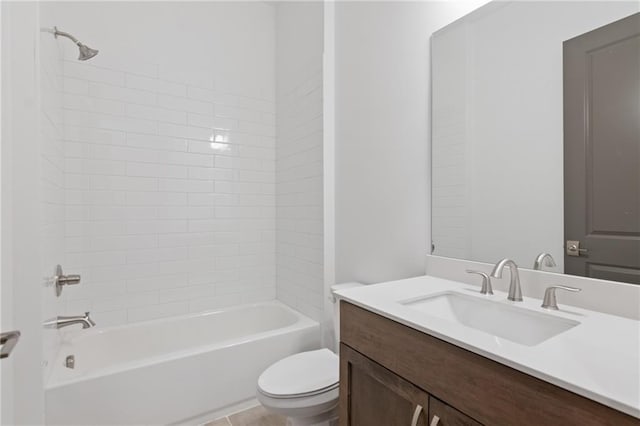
[{"x": 175, "y": 370}]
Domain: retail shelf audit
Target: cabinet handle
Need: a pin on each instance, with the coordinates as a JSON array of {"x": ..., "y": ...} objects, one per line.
[
  {"x": 416, "y": 415},
  {"x": 434, "y": 421}
]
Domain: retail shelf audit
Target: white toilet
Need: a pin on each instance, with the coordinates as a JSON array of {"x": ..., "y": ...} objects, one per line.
[{"x": 304, "y": 387}]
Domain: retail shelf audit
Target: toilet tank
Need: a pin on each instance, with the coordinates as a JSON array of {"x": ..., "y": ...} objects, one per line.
[{"x": 336, "y": 309}]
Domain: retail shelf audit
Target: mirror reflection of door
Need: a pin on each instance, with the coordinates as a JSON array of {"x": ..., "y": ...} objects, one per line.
[{"x": 602, "y": 152}]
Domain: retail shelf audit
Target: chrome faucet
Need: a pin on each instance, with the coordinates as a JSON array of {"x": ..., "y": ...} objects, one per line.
[
  {"x": 515, "y": 292},
  {"x": 543, "y": 259},
  {"x": 486, "y": 282},
  {"x": 550, "y": 301},
  {"x": 60, "y": 322}
]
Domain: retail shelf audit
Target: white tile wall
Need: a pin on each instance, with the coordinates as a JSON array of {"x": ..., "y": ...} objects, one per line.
[
  {"x": 52, "y": 180},
  {"x": 172, "y": 173},
  {"x": 170, "y": 192},
  {"x": 299, "y": 157}
]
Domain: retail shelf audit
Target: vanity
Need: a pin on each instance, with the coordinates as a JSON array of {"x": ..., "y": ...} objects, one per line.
[
  {"x": 510, "y": 177},
  {"x": 428, "y": 351}
]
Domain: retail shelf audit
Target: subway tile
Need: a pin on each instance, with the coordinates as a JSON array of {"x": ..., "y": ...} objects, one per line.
[
  {"x": 84, "y": 134},
  {"x": 123, "y": 183},
  {"x": 207, "y": 147},
  {"x": 110, "y": 122},
  {"x": 92, "y": 104},
  {"x": 185, "y": 185},
  {"x": 195, "y": 239},
  {"x": 125, "y": 63},
  {"x": 94, "y": 167},
  {"x": 156, "y": 198},
  {"x": 209, "y": 173},
  {"x": 185, "y": 104},
  {"x": 115, "y": 242},
  {"x": 129, "y": 300},
  {"x": 211, "y": 122},
  {"x": 157, "y": 311},
  {"x": 156, "y": 255},
  {"x": 178, "y": 181},
  {"x": 155, "y": 85},
  {"x": 164, "y": 143},
  {"x": 156, "y": 113},
  {"x": 185, "y": 212},
  {"x": 185, "y": 158},
  {"x": 157, "y": 282},
  {"x": 212, "y": 199},
  {"x": 155, "y": 170},
  {"x": 100, "y": 213},
  {"x": 83, "y": 260},
  {"x": 236, "y": 113},
  {"x": 192, "y": 77},
  {"x": 137, "y": 227},
  {"x": 75, "y": 86},
  {"x": 86, "y": 228},
  {"x": 205, "y": 304},
  {"x": 188, "y": 132},
  {"x": 172, "y": 295},
  {"x": 125, "y": 94},
  {"x": 75, "y": 69}
]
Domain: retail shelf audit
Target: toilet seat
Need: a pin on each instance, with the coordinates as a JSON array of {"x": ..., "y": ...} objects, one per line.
[{"x": 301, "y": 375}]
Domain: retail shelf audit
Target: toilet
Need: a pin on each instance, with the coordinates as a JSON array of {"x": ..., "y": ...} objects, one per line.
[{"x": 304, "y": 386}]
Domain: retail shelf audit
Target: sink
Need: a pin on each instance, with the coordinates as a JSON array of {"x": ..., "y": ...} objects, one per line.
[{"x": 509, "y": 322}]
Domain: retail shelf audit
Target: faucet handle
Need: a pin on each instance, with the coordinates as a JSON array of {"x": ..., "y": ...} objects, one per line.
[
  {"x": 550, "y": 301},
  {"x": 88, "y": 319},
  {"x": 486, "y": 281}
]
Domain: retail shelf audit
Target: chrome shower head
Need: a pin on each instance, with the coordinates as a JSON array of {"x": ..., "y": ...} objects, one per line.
[{"x": 85, "y": 51}]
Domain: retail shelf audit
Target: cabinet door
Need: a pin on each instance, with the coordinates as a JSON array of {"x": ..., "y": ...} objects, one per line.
[
  {"x": 371, "y": 395},
  {"x": 441, "y": 414}
]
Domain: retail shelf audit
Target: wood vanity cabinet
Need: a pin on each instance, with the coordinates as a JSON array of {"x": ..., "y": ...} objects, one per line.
[{"x": 391, "y": 373}]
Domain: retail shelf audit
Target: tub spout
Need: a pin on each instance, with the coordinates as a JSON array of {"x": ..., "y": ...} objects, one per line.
[{"x": 60, "y": 322}]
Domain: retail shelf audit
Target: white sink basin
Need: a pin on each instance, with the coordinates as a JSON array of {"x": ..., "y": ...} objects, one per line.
[{"x": 498, "y": 319}]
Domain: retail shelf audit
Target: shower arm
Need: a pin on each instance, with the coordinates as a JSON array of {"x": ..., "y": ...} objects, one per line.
[{"x": 57, "y": 33}]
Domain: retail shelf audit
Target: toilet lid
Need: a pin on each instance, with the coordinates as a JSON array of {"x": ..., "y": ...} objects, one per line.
[{"x": 303, "y": 374}]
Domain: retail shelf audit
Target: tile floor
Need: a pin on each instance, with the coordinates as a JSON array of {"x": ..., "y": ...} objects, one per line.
[{"x": 256, "y": 416}]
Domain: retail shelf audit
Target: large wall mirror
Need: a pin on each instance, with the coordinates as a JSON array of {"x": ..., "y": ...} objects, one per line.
[{"x": 536, "y": 136}]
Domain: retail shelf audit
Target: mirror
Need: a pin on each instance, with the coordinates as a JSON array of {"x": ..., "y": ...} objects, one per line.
[{"x": 501, "y": 115}]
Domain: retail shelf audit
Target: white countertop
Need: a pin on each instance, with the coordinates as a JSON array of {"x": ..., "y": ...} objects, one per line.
[{"x": 598, "y": 359}]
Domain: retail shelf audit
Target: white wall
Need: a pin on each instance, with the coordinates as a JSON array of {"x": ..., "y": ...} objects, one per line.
[
  {"x": 382, "y": 134},
  {"x": 498, "y": 98},
  {"x": 160, "y": 221},
  {"x": 22, "y": 215},
  {"x": 299, "y": 177}
]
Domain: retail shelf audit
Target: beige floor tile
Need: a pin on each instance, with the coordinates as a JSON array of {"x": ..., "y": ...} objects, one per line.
[
  {"x": 257, "y": 416},
  {"x": 220, "y": 422}
]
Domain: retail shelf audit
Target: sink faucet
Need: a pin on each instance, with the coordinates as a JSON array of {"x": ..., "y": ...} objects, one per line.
[
  {"x": 543, "y": 259},
  {"x": 60, "y": 322},
  {"x": 515, "y": 292}
]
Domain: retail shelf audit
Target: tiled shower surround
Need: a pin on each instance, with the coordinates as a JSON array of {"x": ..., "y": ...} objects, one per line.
[
  {"x": 170, "y": 192},
  {"x": 190, "y": 171}
]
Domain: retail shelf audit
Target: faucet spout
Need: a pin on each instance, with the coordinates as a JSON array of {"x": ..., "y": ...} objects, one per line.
[
  {"x": 61, "y": 321},
  {"x": 515, "y": 292},
  {"x": 543, "y": 259}
]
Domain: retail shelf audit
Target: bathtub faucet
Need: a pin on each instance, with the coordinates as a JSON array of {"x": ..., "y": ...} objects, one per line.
[{"x": 60, "y": 322}]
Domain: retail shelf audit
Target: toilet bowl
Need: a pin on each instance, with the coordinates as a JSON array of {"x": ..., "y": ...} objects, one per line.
[{"x": 304, "y": 386}]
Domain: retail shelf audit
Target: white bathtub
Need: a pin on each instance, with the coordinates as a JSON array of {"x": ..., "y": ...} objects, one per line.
[{"x": 175, "y": 370}]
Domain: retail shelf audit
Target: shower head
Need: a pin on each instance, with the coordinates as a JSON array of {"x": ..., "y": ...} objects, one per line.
[{"x": 85, "y": 51}]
